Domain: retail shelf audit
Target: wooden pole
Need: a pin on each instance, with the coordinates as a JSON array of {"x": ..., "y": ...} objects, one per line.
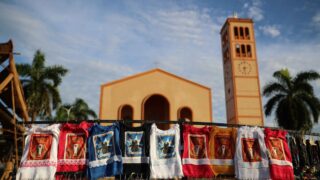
[
  {"x": 14, "y": 125},
  {"x": 18, "y": 89}
]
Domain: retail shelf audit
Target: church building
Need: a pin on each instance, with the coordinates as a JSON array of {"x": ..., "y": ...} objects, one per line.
[
  {"x": 160, "y": 95},
  {"x": 155, "y": 95}
]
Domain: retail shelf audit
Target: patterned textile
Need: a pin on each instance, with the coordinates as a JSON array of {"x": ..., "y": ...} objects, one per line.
[
  {"x": 39, "y": 159},
  {"x": 104, "y": 153},
  {"x": 165, "y": 161},
  {"x": 279, "y": 154},
  {"x": 222, "y": 149},
  {"x": 73, "y": 147},
  {"x": 195, "y": 158}
]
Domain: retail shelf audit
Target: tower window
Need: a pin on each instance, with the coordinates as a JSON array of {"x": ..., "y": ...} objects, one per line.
[
  {"x": 237, "y": 50},
  {"x": 243, "y": 50},
  {"x": 241, "y": 33},
  {"x": 249, "y": 53},
  {"x": 236, "y": 33},
  {"x": 246, "y": 31}
]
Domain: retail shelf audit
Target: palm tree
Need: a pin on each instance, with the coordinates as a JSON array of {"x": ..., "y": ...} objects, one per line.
[
  {"x": 79, "y": 110},
  {"x": 293, "y": 100},
  {"x": 40, "y": 84}
]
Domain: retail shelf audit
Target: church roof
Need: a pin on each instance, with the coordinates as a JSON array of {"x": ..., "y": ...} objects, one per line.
[{"x": 153, "y": 71}]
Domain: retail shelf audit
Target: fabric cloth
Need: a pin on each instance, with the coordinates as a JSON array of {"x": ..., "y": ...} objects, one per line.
[
  {"x": 303, "y": 156},
  {"x": 251, "y": 160},
  {"x": 222, "y": 149},
  {"x": 280, "y": 157},
  {"x": 195, "y": 158},
  {"x": 39, "y": 159},
  {"x": 318, "y": 149},
  {"x": 72, "y": 147},
  {"x": 295, "y": 155},
  {"x": 312, "y": 150},
  {"x": 135, "y": 150},
  {"x": 165, "y": 161},
  {"x": 104, "y": 151}
]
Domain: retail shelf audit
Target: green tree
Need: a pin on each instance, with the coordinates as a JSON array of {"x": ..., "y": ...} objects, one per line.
[
  {"x": 40, "y": 84},
  {"x": 292, "y": 99},
  {"x": 79, "y": 110}
]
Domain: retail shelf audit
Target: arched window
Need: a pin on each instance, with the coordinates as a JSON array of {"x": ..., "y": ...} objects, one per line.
[
  {"x": 236, "y": 33},
  {"x": 249, "y": 53},
  {"x": 185, "y": 113},
  {"x": 241, "y": 33},
  {"x": 237, "y": 50},
  {"x": 246, "y": 32},
  {"x": 243, "y": 50},
  {"x": 125, "y": 112}
]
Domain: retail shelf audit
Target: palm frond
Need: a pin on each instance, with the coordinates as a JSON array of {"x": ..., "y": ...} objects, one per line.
[
  {"x": 284, "y": 78},
  {"x": 313, "y": 104},
  {"x": 54, "y": 95},
  {"x": 306, "y": 76},
  {"x": 91, "y": 113},
  {"x": 24, "y": 70},
  {"x": 273, "y": 88},
  {"x": 38, "y": 60},
  {"x": 302, "y": 114},
  {"x": 272, "y": 103},
  {"x": 55, "y": 73},
  {"x": 302, "y": 87}
]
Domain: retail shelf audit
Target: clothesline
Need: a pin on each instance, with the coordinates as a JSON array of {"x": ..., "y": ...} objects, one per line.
[
  {"x": 187, "y": 150},
  {"x": 180, "y": 121}
]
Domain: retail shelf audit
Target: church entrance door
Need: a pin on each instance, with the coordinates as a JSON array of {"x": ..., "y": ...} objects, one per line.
[{"x": 156, "y": 107}]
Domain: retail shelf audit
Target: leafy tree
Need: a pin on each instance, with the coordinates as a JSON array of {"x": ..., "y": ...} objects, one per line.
[
  {"x": 40, "y": 84},
  {"x": 79, "y": 110},
  {"x": 292, "y": 99}
]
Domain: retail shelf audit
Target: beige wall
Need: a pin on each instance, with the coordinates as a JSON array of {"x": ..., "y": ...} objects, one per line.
[
  {"x": 243, "y": 102},
  {"x": 134, "y": 90}
]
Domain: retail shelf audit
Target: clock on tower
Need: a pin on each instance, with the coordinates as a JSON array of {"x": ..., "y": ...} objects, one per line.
[{"x": 241, "y": 78}]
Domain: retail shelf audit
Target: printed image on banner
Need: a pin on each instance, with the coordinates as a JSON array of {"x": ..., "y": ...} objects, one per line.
[
  {"x": 277, "y": 150},
  {"x": 222, "y": 147},
  {"x": 75, "y": 146},
  {"x": 166, "y": 146},
  {"x": 134, "y": 144},
  {"x": 250, "y": 150},
  {"x": 103, "y": 145},
  {"x": 40, "y": 146},
  {"x": 197, "y": 146}
]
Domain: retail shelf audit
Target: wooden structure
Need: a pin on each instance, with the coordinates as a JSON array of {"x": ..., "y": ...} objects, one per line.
[{"x": 12, "y": 106}]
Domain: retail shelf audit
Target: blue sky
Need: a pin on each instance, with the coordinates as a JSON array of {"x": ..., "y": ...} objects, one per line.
[{"x": 103, "y": 40}]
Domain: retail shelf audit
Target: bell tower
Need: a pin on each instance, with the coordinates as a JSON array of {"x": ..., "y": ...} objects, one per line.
[{"x": 241, "y": 75}]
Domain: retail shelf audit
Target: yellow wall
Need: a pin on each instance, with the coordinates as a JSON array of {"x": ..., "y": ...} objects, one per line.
[{"x": 135, "y": 89}]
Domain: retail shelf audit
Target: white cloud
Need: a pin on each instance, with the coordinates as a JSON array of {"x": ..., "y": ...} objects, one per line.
[
  {"x": 270, "y": 30},
  {"x": 316, "y": 20},
  {"x": 254, "y": 10},
  {"x": 256, "y": 13}
]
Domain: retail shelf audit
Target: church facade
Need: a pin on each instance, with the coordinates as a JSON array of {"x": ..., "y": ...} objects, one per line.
[{"x": 155, "y": 95}]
